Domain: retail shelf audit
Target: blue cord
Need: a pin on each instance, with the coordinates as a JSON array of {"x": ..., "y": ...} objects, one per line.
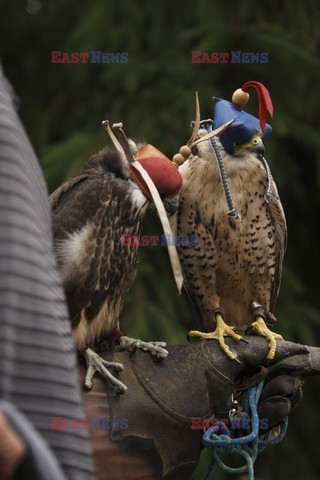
[
  {"x": 232, "y": 210},
  {"x": 268, "y": 194},
  {"x": 218, "y": 438}
]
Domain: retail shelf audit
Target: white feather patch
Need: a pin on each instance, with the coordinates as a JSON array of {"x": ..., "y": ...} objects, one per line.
[
  {"x": 72, "y": 249},
  {"x": 137, "y": 197}
]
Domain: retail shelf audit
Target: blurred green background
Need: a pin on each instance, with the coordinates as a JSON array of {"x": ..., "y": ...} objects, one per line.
[{"x": 62, "y": 106}]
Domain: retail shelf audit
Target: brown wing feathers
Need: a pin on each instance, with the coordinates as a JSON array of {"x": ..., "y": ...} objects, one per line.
[{"x": 90, "y": 213}]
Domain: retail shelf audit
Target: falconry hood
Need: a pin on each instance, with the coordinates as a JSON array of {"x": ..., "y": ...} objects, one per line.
[
  {"x": 162, "y": 174},
  {"x": 245, "y": 126},
  {"x": 161, "y": 170}
]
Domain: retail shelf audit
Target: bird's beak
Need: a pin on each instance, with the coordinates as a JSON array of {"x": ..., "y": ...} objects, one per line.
[
  {"x": 170, "y": 204},
  {"x": 255, "y": 145}
]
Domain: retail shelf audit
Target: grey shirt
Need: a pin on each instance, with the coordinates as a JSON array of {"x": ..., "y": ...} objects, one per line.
[{"x": 37, "y": 360}]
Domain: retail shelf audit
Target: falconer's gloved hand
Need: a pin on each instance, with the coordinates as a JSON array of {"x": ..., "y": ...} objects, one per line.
[
  {"x": 282, "y": 391},
  {"x": 200, "y": 381},
  {"x": 280, "y": 395}
]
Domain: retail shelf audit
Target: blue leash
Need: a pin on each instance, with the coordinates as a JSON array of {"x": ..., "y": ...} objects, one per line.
[
  {"x": 224, "y": 180},
  {"x": 232, "y": 210},
  {"x": 219, "y": 439}
]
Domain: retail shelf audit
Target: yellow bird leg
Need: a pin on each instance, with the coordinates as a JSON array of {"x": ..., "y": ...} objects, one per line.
[
  {"x": 259, "y": 326},
  {"x": 222, "y": 330}
]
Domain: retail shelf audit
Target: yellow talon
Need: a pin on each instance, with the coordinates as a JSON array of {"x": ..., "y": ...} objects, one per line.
[
  {"x": 261, "y": 328},
  {"x": 222, "y": 330}
]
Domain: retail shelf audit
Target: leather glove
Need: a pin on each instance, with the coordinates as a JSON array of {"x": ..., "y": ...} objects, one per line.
[{"x": 196, "y": 381}]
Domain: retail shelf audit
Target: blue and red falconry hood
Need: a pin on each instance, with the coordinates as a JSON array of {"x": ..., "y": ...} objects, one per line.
[{"x": 245, "y": 125}]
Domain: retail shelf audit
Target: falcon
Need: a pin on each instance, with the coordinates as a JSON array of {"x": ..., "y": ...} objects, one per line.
[
  {"x": 91, "y": 212},
  {"x": 230, "y": 202}
]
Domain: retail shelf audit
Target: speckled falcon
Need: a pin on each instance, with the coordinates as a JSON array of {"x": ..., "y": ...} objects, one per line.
[{"x": 232, "y": 277}]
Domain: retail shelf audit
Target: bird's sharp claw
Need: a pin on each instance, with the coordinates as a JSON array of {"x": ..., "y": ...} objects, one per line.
[
  {"x": 121, "y": 389},
  {"x": 116, "y": 367},
  {"x": 131, "y": 344},
  {"x": 244, "y": 341},
  {"x": 97, "y": 364},
  {"x": 88, "y": 383},
  {"x": 221, "y": 330},
  {"x": 259, "y": 326}
]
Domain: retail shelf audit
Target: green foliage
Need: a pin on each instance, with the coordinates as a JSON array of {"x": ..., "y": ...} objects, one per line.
[{"x": 62, "y": 106}]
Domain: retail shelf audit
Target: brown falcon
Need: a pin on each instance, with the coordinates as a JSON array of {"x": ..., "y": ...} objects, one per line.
[
  {"x": 232, "y": 276},
  {"x": 91, "y": 212}
]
